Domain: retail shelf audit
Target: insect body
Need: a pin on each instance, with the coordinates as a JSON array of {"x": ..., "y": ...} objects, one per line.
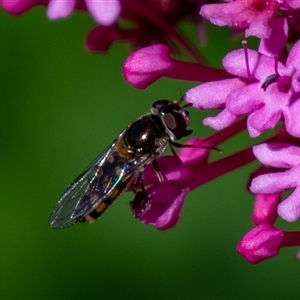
[{"x": 144, "y": 140}]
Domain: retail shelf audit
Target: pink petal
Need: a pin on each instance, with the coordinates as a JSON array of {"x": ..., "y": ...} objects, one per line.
[
  {"x": 261, "y": 66},
  {"x": 261, "y": 243},
  {"x": 245, "y": 100},
  {"x": 289, "y": 209},
  {"x": 166, "y": 202},
  {"x": 147, "y": 65},
  {"x": 276, "y": 42},
  {"x": 17, "y": 7},
  {"x": 295, "y": 4},
  {"x": 171, "y": 217},
  {"x": 233, "y": 14},
  {"x": 224, "y": 119},
  {"x": 291, "y": 117},
  {"x": 60, "y": 9},
  {"x": 278, "y": 155},
  {"x": 212, "y": 94},
  {"x": 263, "y": 119},
  {"x": 170, "y": 167},
  {"x": 260, "y": 26},
  {"x": 192, "y": 157},
  {"x": 293, "y": 60},
  {"x": 274, "y": 183},
  {"x": 105, "y": 12}
]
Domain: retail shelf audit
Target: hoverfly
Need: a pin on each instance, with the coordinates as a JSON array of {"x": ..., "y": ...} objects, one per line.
[{"x": 122, "y": 162}]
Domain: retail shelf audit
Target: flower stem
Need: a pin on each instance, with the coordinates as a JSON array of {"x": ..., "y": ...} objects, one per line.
[
  {"x": 220, "y": 167},
  {"x": 196, "y": 72},
  {"x": 291, "y": 239},
  {"x": 225, "y": 134}
]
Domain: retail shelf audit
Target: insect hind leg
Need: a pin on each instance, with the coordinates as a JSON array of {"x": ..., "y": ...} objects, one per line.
[{"x": 140, "y": 204}]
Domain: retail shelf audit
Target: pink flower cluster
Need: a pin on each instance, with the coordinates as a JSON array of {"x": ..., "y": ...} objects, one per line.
[
  {"x": 257, "y": 90},
  {"x": 260, "y": 86}
]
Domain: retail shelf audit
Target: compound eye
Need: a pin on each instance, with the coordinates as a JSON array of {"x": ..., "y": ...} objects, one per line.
[
  {"x": 159, "y": 104},
  {"x": 176, "y": 123}
]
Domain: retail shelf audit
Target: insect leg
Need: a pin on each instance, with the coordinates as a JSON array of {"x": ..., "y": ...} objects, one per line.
[
  {"x": 157, "y": 171},
  {"x": 174, "y": 152},
  {"x": 138, "y": 184},
  {"x": 140, "y": 204}
]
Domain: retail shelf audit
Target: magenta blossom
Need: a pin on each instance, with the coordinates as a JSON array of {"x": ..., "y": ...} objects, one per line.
[
  {"x": 104, "y": 12},
  {"x": 255, "y": 91},
  {"x": 165, "y": 199},
  {"x": 17, "y": 7},
  {"x": 265, "y": 241},
  {"x": 294, "y": 4},
  {"x": 163, "y": 205},
  {"x": 261, "y": 243},
  {"x": 255, "y": 16},
  {"x": 286, "y": 157},
  {"x": 271, "y": 92},
  {"x": 215, "y": 94},
  {"x": 147, "y": 65}
]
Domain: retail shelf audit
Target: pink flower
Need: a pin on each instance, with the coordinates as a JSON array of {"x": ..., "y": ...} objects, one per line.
[
  {"x": 164, "y": 201},
  {"x": 17, "y": 7},
  {"x": 147, "y": 65},
  {"x": 265, "y": 241},
  {"x": 255, "y": 15},
  {"x": 294, "y": 4},
  {"x": 163, "y": 205},
  {"x": 104, "y": 12},
  {"x": 254, "y": 91},
  {"x": 262, "y": 242},
  {"x": 283, "y": 156},
  {"x": 265, "y": 106},
  {"x": 266, "y": 91},
  {"x": 214, "y": 95}
]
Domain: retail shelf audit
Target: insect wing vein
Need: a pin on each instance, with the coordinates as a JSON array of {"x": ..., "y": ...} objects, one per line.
[{"x": 69, "y": 207}]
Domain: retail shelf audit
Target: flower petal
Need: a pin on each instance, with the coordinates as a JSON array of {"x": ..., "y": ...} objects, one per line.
[
  {"x": 212, "y": 94},
  {"x": 261, "y": 66},
  {"x": 289, "y": 209},
  {"x": 276, "y": 42},
  {"x": 166, "y": 202},
  {"x": 260, "y": 243},
  {"x": 260, "y": 26},
  {"x": 245, "y": 100},
  {"x": 278, "y": 155},
  {"x": 147, "y": 65},
  {"x": 105, "y": 12},
  {"x": 274, "y": 183},
  {"x": 60, "y": 9},
  {"x": 224, "y": 119},
  {"x": 262, "y": 120}
]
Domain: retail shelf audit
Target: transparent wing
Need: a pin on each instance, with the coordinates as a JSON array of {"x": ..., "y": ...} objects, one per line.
[
  {"x": 106, "y": 173},
  {"x": 67, "y": 211}
]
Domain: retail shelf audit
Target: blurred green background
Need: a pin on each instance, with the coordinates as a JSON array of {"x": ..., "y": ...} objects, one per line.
[{"x": 60, "y": 106}]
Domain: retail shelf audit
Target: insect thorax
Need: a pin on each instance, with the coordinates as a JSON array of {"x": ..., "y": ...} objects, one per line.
[{"x": 146, "y": 135}]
